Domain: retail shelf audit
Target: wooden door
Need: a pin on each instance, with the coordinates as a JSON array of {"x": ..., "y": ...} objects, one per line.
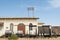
[{"x": 21, "y": 27}]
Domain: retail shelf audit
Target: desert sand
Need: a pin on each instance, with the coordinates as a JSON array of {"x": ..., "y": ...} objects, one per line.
[{"x": 58, "y": 38}]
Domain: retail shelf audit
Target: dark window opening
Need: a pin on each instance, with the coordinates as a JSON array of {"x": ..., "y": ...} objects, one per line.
[
  {"x": 30, "y": 26},
  {"x": 11, "y": 27},
  {"x": 1, "y": 25}
]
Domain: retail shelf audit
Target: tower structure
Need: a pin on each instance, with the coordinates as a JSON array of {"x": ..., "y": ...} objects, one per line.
[{"x": 30, "y": 9}]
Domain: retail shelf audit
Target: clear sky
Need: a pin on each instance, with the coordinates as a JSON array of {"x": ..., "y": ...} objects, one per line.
[{"x": 47, "y": 10}]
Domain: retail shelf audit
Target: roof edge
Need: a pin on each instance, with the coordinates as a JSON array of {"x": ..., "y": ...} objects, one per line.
[{"x": 19, "y": 17}]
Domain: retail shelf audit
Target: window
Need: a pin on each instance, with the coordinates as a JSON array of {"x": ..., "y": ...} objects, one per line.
[
  {"x": 1, "y": 25},
  {"x": 30, "y": 26},
  {"x": 6, "y": 27},
  {"x": 21, "y": 24},
  {"x": 11, "y": 27}
]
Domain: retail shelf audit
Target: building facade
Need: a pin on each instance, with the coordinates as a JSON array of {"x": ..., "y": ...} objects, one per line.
[{"x": 16, "y": 24}]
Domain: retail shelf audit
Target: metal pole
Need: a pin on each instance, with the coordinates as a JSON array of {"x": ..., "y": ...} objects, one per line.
[
  {"x": 33, "y": 11},
  {"x": 28, "y": 11}
]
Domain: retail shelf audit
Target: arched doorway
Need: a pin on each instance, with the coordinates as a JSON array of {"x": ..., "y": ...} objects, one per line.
[
  {"x": 32, "y": 29},
  {"x": 11, "y": 27},
  {"x": 30, "y": 26},
  {"x": 21, "y": 27}
]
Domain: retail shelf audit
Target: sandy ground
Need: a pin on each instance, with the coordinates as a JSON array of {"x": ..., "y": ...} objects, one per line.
[{"x": 34, "y": 38}]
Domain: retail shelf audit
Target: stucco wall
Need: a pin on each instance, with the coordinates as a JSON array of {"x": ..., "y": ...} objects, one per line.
[{"x": 15, "y": 22}]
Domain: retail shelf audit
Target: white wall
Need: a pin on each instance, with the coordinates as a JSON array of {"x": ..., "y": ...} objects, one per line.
[{"x": 16, "y": 22}]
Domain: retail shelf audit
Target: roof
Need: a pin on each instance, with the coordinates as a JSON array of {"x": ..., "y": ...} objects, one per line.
[
  {"x": 19, "y": 18},
  {"x": 46, "y": 25},
  {"x": 55, "y": 26},
  {"x": 41, "y": 23}
]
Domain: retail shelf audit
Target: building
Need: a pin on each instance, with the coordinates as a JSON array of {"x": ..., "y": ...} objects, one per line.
[
  {"x": 27, "y": 25},
  {"x": 40, "y": 28},
  {"x": 56, "y": 30},
  {"x": 44, "y": 30},
  {"x": 40, "y": 24}
]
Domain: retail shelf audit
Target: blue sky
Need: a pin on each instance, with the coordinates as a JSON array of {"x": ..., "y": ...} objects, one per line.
[{"x": 47, "y": 10}]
